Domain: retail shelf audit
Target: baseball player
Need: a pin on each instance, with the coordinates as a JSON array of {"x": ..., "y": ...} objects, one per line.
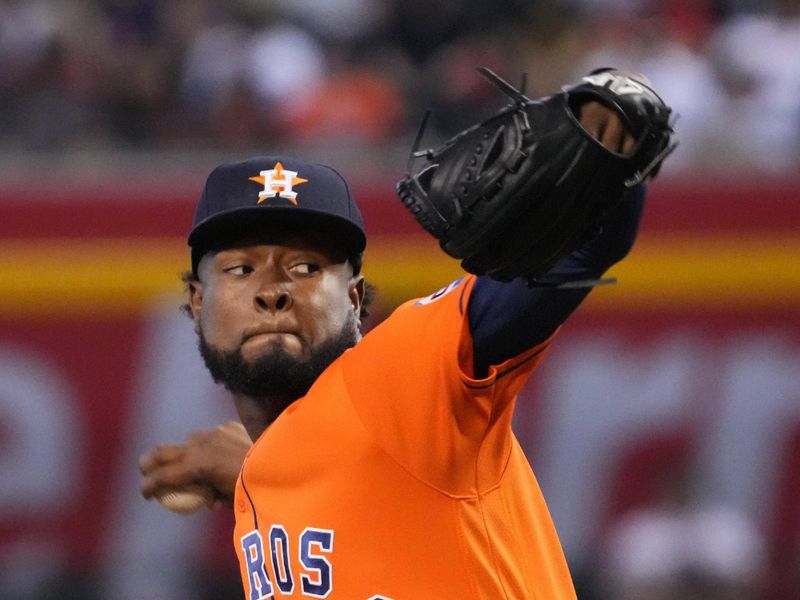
[{"x": 383, "y": 466}]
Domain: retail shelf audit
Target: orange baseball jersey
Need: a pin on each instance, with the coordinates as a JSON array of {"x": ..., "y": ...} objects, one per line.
[{"x": 398, "y": 477}]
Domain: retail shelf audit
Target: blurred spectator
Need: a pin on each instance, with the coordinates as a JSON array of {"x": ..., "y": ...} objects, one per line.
[
  {"x": 283, "y": 64},
  {"x": 210, "y": 69},
  {"x": 356, "y": 105},
  {"x": 337, "y": 20},
  {"x": 26, "y": 30},
  {"x": 757, "y": 55}
]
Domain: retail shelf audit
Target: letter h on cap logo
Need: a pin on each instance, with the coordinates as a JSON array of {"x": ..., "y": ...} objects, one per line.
[{"x": 278, "y": 182}]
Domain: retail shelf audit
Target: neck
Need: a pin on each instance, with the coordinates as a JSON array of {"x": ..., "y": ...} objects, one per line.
[{"x": 257, "y": 414}]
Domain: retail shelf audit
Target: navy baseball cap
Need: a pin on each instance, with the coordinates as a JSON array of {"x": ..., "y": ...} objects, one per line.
[{"x": 243, "y": 198}]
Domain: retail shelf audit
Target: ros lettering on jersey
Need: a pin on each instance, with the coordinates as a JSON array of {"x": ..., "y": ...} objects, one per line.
[
  {"x": 253, "y": 548},
  {"x": 316, "y": 578},
  {"x": 279, "y": 548}
]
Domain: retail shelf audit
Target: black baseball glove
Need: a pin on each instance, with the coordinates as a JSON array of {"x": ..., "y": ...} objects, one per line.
[{"x": 516, "y": 193}]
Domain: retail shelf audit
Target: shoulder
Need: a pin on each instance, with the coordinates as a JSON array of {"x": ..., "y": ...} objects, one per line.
[{"x": 420, "y": 328}]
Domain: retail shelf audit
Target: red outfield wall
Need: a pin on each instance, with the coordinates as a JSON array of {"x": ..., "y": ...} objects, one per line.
[{"x": 697, "y": 345}]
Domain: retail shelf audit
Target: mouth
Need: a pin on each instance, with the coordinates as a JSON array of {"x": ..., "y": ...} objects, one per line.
[
  {"x": 276, "y": 337},
  {"x": 259, "y": 338}
]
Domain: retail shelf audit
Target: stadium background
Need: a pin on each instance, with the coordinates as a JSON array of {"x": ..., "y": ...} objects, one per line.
[{"x": 682, "y": 377}]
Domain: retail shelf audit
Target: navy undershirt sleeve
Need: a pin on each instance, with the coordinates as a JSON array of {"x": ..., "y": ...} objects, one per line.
[{"x": 508, "y": 318}]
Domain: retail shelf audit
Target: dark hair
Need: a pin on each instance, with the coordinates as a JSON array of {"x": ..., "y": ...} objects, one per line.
[{"x": 370, "y": 291}]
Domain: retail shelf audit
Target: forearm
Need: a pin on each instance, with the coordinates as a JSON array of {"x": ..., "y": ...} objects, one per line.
[{"x": 508, "y": 318}]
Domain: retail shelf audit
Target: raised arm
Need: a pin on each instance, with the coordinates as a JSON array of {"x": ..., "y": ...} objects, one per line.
[
  {"x": 507, "y": 318},
  {"x": 547, "y": 192}
]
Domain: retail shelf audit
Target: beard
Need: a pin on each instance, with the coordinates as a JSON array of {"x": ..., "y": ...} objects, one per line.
[{"x": 276, "y": 375}]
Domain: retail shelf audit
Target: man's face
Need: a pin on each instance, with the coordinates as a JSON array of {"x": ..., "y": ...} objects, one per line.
[{"x": 273, "y": 313}]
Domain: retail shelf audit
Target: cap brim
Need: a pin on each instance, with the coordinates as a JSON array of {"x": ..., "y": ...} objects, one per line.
[{"x": 247, "y": 222}]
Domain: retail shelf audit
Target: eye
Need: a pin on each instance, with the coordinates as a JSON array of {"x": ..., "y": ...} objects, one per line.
[
  {"x": 304, "y": 268},
  {"x": 239, "y": 270}
]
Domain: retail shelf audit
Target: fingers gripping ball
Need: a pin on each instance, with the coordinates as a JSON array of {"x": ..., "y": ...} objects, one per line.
[
  {"x": 186, "y": 500},
  {"x": 513, "y": 195}
]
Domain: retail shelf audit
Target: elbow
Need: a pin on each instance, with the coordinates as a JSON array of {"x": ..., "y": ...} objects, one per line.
[{"x": 620, "y": 247}]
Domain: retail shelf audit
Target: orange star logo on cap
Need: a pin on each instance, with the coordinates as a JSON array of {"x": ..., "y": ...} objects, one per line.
[{"x": 278, "y": 182}]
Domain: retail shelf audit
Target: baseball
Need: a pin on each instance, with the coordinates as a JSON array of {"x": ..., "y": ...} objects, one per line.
[{"x": 186, "y": 500}]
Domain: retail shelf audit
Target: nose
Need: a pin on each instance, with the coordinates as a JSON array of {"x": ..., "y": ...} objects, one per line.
[{"x": 273, "y": 299}]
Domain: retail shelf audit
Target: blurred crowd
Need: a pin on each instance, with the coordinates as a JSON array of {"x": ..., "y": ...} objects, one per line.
[
  {"x": 79, "y": 75},
  {"x": 182, "y": 76}
]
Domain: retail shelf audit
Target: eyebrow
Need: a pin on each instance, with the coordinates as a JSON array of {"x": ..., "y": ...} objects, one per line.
[{"x": 320, "y": 253}]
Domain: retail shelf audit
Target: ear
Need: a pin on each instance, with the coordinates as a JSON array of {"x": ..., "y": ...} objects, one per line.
[
  {"x": 196, "y": 302},
  {"x": 356, "y": 291}
]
